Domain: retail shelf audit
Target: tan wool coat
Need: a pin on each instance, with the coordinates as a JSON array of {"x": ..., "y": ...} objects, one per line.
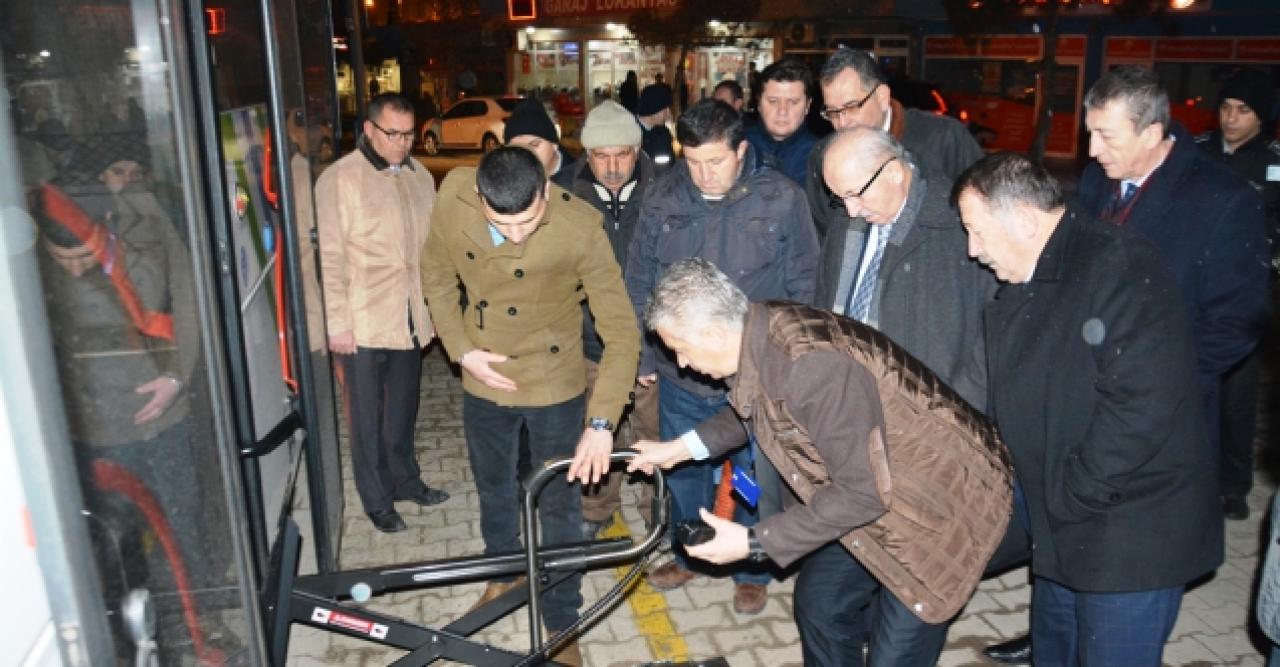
[
  {"x": 524, "y": 300},
  {"x": 372, "y": 225}
]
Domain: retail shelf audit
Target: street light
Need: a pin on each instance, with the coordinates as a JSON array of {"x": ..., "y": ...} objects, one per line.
[{"x": 1181, "y": 4}]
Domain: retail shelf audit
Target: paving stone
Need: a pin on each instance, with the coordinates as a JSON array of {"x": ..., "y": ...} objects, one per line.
[{"x": 1210, "y": 632}]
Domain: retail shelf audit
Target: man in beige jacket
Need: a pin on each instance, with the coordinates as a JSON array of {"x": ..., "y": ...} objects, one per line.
[
  {"x": 373, "y": 210},
  {"x": 527, "y": 253}
]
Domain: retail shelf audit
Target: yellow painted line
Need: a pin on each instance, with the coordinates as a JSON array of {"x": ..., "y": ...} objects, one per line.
[{"x": 649, "y": 607}]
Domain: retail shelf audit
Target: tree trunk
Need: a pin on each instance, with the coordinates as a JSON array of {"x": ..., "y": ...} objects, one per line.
[{"x": 1048, "y": 71}]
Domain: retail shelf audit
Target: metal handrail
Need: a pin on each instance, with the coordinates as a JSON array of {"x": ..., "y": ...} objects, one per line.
[{"x": 533, "y": 484}]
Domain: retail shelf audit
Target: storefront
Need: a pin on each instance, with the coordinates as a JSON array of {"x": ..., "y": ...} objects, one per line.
[
  {"x": 1193, "y": 68},
  {"x": 590, "y": 62}
]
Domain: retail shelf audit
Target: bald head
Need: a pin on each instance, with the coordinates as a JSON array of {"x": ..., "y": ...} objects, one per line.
[{"x": 868, "y": 172}]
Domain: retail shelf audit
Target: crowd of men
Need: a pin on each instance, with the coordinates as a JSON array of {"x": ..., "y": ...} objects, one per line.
[{"x": 926, "y": 360}]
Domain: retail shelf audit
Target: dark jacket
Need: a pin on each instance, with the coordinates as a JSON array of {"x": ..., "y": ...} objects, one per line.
[
  {"x": 1209, "y": 224},
  {"x": 1258, "y": 160},
  {"x": 882, "y": 456},
  {"x": 1094, "y": 389},
  {"x": 788, "y": 156},
  {"x": 658, "y": 143},
  {"x": 619, "y": 225},
  {"x": 938, "y": 145},
  {"x": 929, "y": 294},
  {"x": 758, "y": 235}
]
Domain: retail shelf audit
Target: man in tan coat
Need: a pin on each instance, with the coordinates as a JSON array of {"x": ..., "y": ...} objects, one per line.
[
  {"x": 527, "y": 253},
  {"x": 373, "y": 207}
]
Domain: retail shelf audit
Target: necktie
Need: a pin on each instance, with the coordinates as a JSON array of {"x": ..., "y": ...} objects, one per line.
[
  {"x": 1127, "y": 190},
  {"x": 866, "y": 288}
]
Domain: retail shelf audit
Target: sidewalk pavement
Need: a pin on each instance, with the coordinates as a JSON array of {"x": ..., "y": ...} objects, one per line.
[{"x": 697, "y": 622}]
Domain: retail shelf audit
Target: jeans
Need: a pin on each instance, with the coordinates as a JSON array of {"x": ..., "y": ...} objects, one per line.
[
  {"x": 1072, "y": 628},
  {"x": 380, "y": 393},
  {"x": 693, "y": 484},
  {"x": 493, "y": 444},
  {"x": 834, "y": 595}
]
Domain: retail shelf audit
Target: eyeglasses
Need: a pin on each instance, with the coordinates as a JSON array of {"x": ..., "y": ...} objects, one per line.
[
  {"x": 837, "y": 201},
  {"x": 394, "y": 136},
  {"x": 831, "y": 114}
]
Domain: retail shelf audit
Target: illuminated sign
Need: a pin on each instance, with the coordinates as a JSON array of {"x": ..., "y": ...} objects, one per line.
[
  {"x": 216, "y": 17},
  {"x": 553, "y": 8}
]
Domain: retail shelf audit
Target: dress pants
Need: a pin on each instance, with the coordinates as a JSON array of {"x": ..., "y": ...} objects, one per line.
[
  {"x": 837, "y": 600},
  {"x": 493, "y": 445},
  {"x": 1077, "y": 629},
  {"x": 1239, "y": 424},
  {"x": 380, "y": 393},
  {"x": 692, "y": 484}
]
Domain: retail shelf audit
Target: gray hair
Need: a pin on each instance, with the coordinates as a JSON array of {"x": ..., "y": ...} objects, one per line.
[
  {"x": 870, "y": 145},
  {"x": 1140, "y": 90},
  {"x": 693, "y": 291},
  {"x": 861, "y": 62},
  {"x": 1005, "y": 180}
]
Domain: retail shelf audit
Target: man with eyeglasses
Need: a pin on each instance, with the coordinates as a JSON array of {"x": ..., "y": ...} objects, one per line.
[
  {"x": 372, "y": 212},
  {"x": 854, "y": 94},
  {"x": 526, "y": 253},
  {"x": 900, "y": 266}
]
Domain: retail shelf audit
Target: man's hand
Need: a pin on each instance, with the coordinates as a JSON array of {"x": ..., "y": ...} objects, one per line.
[
  {"x": 647, "y": 381},
  {"x": 343, "y": 343},
  {"x": 591, "y": 459},
  {"x": 729, "y": 544},
  {"x": 163, "y": 390},
  {"x": 476, "y": 362},
  {"x": 660, "y": 454}
]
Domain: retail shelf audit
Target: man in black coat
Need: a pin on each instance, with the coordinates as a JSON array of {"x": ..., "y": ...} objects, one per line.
[
  {"x": 1094, "y": 387},
  {"x": 1207, "y": 220},
  {"x": 856, "y": 94},
  {"x": 1241, "y": 142},
  {"x": 612, "y": 175}
]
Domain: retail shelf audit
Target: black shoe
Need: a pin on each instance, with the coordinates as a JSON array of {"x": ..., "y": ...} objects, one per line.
[
  {"x": 1016, "y": 651},
  {"x": 426, "y": 496},
  {"x": 387, "y": 521},
  {"x": 1235, "y": 508}
]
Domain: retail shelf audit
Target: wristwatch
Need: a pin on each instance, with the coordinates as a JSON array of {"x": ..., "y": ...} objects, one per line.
[
  {"x": 755, "y": 552},
  {"x": 600, "y": 424}
]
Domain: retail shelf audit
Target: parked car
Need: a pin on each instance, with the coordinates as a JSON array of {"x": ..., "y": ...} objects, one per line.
[{"x": 474, "y": 122}]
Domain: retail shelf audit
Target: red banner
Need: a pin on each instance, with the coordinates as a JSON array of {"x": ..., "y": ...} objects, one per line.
[
  {"x": 570, "y": 8},
  {"x": 1193, "y": 49},
  {"x": 1138, "y": 48},
  {"x": 1264, "y": 49}
]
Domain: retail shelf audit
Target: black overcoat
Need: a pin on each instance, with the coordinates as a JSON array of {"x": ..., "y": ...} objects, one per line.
[{"x": 1094, "y": 388}]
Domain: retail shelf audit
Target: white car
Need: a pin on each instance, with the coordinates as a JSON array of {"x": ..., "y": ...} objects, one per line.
[{"x": 474, "y": 122}]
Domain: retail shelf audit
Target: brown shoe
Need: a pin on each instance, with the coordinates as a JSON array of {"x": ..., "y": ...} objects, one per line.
[
  {"x": 749, "y": 599},
  {"x": 670, "y": 576},
  {"x": 570, "y": 654},
  {"x": 495, "y": 589}
]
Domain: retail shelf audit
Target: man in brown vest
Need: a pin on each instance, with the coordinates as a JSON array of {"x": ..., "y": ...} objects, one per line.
[{"x": 884, "y": 458}]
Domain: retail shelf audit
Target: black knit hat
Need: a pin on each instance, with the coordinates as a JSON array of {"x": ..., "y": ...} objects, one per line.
[
  {"x": 530, "y": 118},
  {"x": 653, "y": 98},
  {"x": 1253, "y": 87}
]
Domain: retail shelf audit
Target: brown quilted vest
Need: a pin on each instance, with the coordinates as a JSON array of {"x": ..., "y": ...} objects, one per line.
[{"x": 942, "y": 471}]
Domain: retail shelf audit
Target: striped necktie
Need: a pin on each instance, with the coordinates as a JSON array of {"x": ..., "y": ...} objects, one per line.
[{"x": 866, "y": 288}]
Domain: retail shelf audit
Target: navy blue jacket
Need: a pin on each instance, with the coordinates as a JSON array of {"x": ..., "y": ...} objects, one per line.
[
  {"x": 789, "y": 156},
  {"x": 1209, "y": 224}
]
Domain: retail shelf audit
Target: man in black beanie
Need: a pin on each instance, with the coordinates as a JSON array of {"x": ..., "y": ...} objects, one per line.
[
  {"x": 1243, "y": 143},
  {"x": 654, "y": 112},
  {"x": 530, "y": 127}
]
